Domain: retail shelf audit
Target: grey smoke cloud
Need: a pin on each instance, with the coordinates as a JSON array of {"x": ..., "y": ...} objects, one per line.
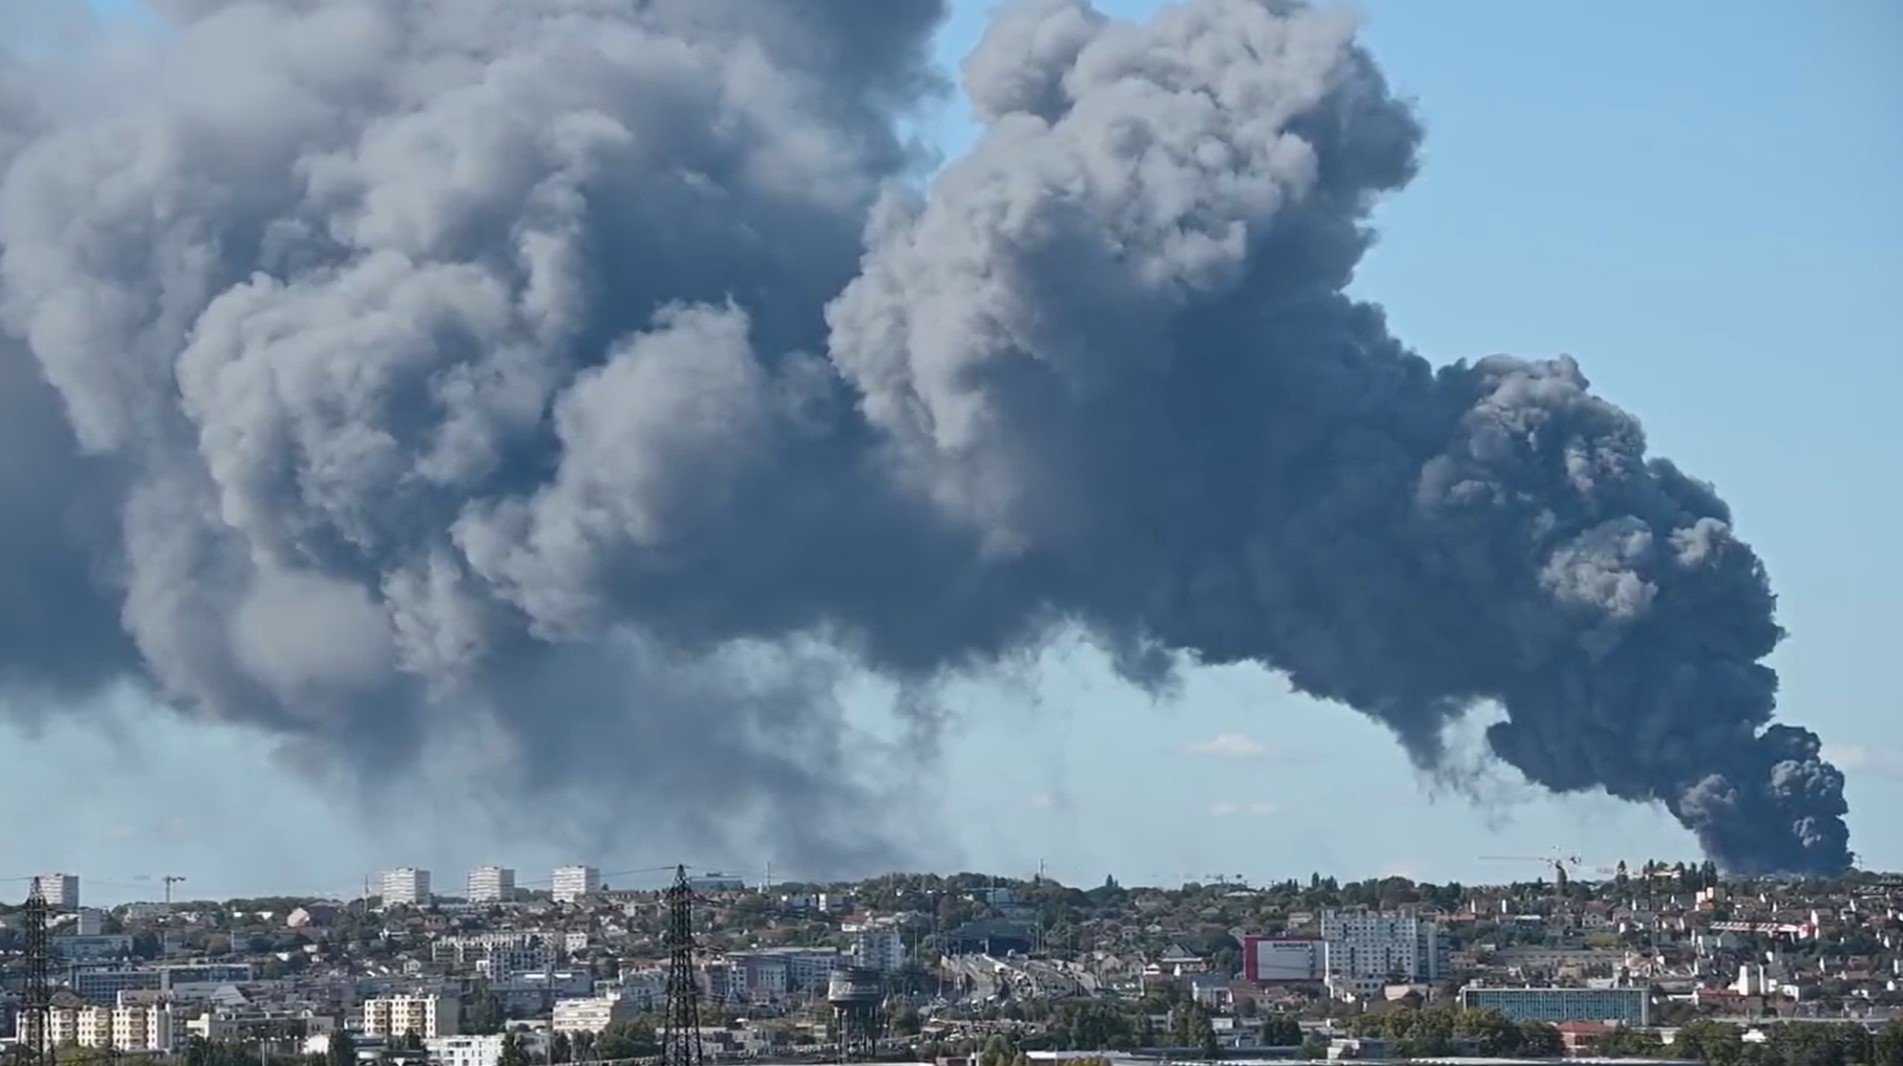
[{"x": 589, "y": 375}]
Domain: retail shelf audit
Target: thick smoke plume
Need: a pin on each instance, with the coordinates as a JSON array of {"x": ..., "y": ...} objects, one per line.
[{"x": 563, "y": 372}]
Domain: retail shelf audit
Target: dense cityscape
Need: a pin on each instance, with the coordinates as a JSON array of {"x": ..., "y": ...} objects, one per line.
[{"x": 1659, "y": 962}]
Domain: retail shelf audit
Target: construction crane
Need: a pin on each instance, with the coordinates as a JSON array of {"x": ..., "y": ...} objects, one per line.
[
  {"x": 1559, "y": 863},
  {"x": 169, "y": 879}
]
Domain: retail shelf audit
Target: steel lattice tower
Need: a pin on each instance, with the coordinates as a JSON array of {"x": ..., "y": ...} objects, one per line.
[
  {"x": 36, "y": 1012},
  {"x": 680, "y": 1036}
]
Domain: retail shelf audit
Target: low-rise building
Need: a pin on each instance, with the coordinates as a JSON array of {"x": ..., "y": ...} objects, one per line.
[
  {"x": 1624, "y": 1005},
  {"x": 592, "y": 1015},
  {"x": 465, "y": 1050}
]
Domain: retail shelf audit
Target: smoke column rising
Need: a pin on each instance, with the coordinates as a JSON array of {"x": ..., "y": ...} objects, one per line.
[{"x": 567, "y": 372}]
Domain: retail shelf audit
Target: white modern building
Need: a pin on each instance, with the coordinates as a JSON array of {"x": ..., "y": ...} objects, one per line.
[
  {"x": 1363, "y": 950},
  {"x": 60, "y": 891},
  {"x": 878, "y": 949},
  {"x": 491, "y": 884},
  {"x": 465, "y": 1050},
  {"x": 574, "y": 882},
  {"x": 392, "y": 1017},
  {"x": 406, "y": 886}
]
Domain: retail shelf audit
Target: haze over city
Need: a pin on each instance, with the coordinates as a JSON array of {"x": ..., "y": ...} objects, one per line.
[{"x": 421, "y": 452}]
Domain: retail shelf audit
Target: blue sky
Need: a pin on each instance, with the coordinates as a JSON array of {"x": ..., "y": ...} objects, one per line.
[{"x": 1696, "y": 199}]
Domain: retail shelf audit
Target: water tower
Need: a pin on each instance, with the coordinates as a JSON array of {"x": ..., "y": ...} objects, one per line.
[{"x": 856, "y": 996}]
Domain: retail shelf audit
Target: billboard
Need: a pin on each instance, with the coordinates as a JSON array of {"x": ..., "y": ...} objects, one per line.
[{"x": 1268, "y": 959}]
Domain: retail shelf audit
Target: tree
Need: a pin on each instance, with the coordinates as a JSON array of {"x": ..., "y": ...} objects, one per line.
[
  {"x": 1631, "y": 1044},
  {"x": 629, "y": 1039},
  {"x": 1497, "y": 1036},
  {"x": 907, "y": 1022},
  {"x": 1887, "y": 1048},
  {"x": 1715, "y": 1042},
  {"x": 1190, "y": 1027},
  {"x": 513, "y": 1053},
  {"x": 343, "y": 1050},
  {"x": 486, "y": 1016},
  {"x": 1281, "y": 1030},
  {"x": 1540, "y": 1041},
  {"x": 1092, "y": 1025},
  {"x": 560, "y": 1049}
]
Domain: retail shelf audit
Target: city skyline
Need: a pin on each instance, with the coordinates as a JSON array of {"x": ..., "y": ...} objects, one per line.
[{"x": 1682, "y": 299}]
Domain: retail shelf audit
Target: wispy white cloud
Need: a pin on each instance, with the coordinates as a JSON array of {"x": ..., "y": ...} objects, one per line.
[
  {"x": 1258, "y": 809},
  {"x": 1229, "y": 746},
  {"x": 1048, "y": 801},
  {"x": 1881, "y": 761}
]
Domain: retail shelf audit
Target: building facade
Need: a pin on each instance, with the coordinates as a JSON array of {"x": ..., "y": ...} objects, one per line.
[
  {"x": 592, "y": 1015},
  {"x": 768, "y": 974},
  {"x": 1627, "y": 1006},
  {"x": 1363, "y": 950},
  {"x": 122, "y": 1028},
  {"x": 60, "y": 891},
  {"x": 572, "y": 883},
  {"x": 878, "y": 949},
  {"x": 495, "y": 955},
  {"x": 717, "y": 882},
  {"x": 392, "y": 1017},
  {"x": 406, "y": 886},
  {"x": 1283, "y": 959},
  {"x": 465, "y": 1050},
  {"x": 91, "y": 948},
  {"x": 491, "y": 884},
  {"x": 103, "y": 984}
]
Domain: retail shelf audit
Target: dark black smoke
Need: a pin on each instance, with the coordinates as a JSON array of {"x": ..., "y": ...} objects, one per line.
[{"x": 579, "y": 379}]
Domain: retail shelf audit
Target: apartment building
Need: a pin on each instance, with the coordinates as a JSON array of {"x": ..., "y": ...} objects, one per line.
[
  {"x": 495, "y": 955},
  {"x": 426, "y": 1015},
  {"x": 770, "y": 973},
  {"x": 1363, "y": 950},
  {"x": 878, "y": 949},
  {"x": 406, "y": 886},
  {"x": 60, "y": 891},
  {"x": 491, "y": 884},
  {"x": 129, "y": 1027},
  {"x": 572, "y": 883}
]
